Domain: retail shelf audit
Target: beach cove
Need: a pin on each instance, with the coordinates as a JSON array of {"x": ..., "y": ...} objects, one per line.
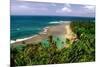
[{"x": 60, "y": 29}]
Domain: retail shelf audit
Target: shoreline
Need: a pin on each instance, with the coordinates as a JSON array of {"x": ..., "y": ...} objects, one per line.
[
  {"x": 21, "y": 39},
  {"x": 60, "y": 28},
  {"x": 26, "y": 38}
]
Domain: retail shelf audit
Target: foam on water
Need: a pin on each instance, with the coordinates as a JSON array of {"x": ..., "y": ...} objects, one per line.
[
  {"x": 26, "y": 26},
  {"x": 18, "y": 29},
  {"x": 18, "y": 40},
  {"x": 59, "y": 22}
]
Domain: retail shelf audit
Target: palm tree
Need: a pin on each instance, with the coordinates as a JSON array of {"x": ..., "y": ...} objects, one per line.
[{"x": 51, "y": 39}]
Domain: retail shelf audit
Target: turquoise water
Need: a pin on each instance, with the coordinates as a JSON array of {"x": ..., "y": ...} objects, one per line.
[{"x": 25, "y": 26}]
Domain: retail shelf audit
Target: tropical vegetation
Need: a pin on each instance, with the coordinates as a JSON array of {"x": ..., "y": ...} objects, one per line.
[{"x": 47, "y": 52}]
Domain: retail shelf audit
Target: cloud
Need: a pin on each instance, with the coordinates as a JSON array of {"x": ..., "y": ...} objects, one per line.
[
  {"x": 89, "y": 2},
  {"x": 65, "y": 9},
  {"x": 40, "y": 9},
  {"x": 23, "y": 7},
  {"x": 20, "y": 7},
  {"x": 68, "y": 5},
  {"x": 89, "y": 7},
  {"x": 53, "y": 4}
]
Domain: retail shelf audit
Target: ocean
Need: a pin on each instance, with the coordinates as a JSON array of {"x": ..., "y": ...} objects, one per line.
[{"x": 26, "y": 26}]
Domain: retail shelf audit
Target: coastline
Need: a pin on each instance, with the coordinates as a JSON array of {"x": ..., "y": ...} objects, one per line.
[
  {"x": 59, "y": 29},
  {"x": 26, "y": 38},
  {"x": 22, "y": 39}
]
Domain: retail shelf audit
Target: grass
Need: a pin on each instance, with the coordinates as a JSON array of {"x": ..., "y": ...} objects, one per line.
[{"x": 82, "y": 50}]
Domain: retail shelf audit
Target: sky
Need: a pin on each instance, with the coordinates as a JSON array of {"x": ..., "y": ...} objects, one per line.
[{"x": 22, "y": 7}]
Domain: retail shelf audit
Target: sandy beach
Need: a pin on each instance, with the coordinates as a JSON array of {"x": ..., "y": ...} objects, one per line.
[{"x": 59, "y": 29}]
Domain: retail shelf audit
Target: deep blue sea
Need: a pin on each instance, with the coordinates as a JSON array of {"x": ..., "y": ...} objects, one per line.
[{"x": 25, "y": 26}]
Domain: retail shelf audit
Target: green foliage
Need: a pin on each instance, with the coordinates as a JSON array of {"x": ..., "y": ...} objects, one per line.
[{"x": 82, "y": 50}]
